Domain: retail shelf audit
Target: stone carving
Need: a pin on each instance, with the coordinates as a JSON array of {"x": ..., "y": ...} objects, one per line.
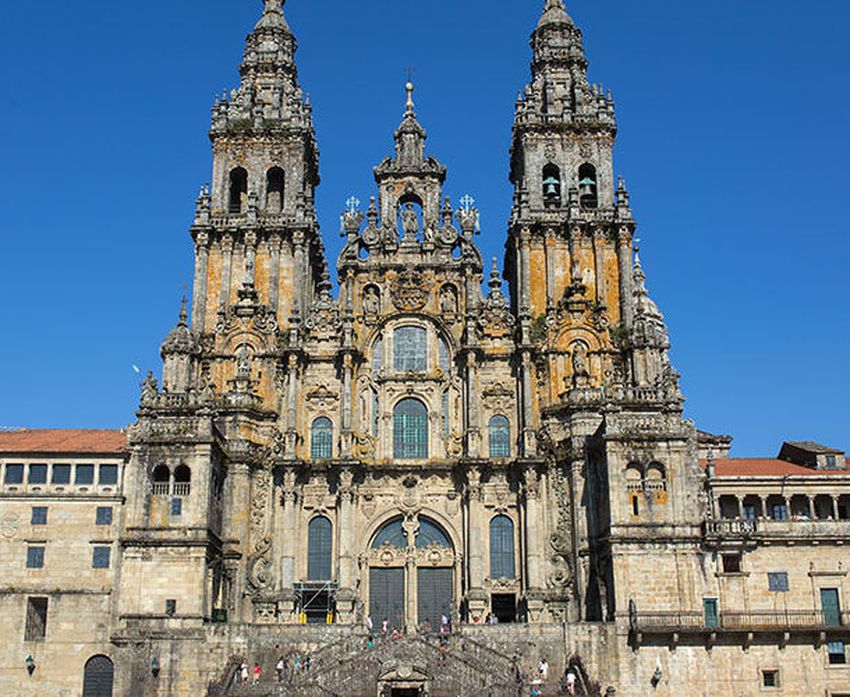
[
  {"x": 371, "y": 301},
  {"x": 322, "y": 398},
  {"x": 409, "y": 292},
  {"x": 409, "y": 224},
  {"x": 497, "y": 397},
  {"x": 9, "y": 525},
  {"x": 448, "y": 300},
  {"x": 260, "y": 568},
  {"x": 560, "y": 541}
]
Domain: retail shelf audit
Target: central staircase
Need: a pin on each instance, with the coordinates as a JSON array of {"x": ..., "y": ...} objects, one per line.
[{"x": 349, "y": 667}]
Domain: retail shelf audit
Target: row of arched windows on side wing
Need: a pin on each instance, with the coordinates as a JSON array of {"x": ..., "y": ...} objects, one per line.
[
  {"x": 588, "y": 187},
  {"x": 178, "y": 482},
  {"x": 410, "y": 433},
  {"x": 649, "y": 481},
  {"x": 238, "y": 191}
]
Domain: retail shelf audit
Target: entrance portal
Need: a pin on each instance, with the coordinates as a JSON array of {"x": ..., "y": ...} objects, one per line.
[{"x": 386, "y": 597}]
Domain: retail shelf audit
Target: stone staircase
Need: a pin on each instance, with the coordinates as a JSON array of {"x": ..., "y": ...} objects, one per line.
[{"x": 349, "y": 668}]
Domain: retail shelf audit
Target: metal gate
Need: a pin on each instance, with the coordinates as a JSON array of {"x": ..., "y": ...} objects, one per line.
[
  {"x": 434, "y": 595},
  {"x": 386, "y": 597},
  {"x": 97, "y": 679}
]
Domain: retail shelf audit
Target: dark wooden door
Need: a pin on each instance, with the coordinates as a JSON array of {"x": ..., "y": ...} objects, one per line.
[
  {"x": 97, "y": 680},
  {"x": 386, "y": 597},
  {"x": 434, "y": 595}
]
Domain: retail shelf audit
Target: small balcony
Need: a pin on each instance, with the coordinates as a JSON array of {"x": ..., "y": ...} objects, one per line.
[
  {"x": 738, "y": 625},
  {"x": 768, "y": 529}
]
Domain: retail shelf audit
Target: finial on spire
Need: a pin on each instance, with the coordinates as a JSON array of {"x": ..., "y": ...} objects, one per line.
[
  {"x": 184, "y": 315},
  {"x": 555, "y": 11},
  {"x": 409, "y": 88}
]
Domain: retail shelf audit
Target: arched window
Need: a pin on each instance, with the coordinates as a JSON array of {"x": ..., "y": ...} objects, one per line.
[
  {"x": 587, "y": 188},
  {"x": 321, "y": 439},
  {"x": 161, "y": 480},
  {"x": 410, "y": 349},
  {"x": 182, "y": 481},
  {"x": 430, "y": 533},
  {"x": 551, "y": 185},
  {"x": 502, "y": 548},
  {"x": 98, "y": 676},
  {"x": 378, "y": 355},
  {"x": 274, "y": 190},
  {"x": 391, "y": 533},
  {"x": 238, "y": 190},
  {"x": 410, "y": 430},
  {"x": 443, "y": 356},
  {"x": 500, "y": 436},
  {"x": 319, "y": 550}
]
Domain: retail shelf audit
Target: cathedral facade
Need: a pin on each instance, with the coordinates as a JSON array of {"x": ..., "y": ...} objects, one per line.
[{"x": 495, "y": 476}]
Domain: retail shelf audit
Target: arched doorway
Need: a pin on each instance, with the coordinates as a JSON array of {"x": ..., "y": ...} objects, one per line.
[
  {"x": 411, "y": 574},
  {"x": 98, "y": 677}
]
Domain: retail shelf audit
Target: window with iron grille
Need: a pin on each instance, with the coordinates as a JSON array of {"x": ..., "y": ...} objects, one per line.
[
  {"x": 410, "y": 349},
  {"x": 319, "y": 549},
  {"x": 500, "y": 437},
  {"x": 410, "y": 430},
  {"x": 36, "y": 625},
  {"x": 103, "y": 515},
  {"x": 321, "y": 439},
  {"x": 777, "y": 582},
  {"x": 100, "y": 558},
  {"x": 502, "y": 548},
  {"x": 35, "y": 557},
  {"x": 770, "y": 678},
  {"x": 39, "y": 515}
]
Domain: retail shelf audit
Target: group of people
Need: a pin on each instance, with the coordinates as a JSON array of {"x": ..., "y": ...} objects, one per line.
[
  {"x": 284, "y": 671},
  {"x": 393, "y": 632},
  {"x": 542, "y": 676}
]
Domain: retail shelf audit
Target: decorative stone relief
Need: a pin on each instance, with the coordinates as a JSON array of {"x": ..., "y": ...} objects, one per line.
[{"x": 409, "y": 291}]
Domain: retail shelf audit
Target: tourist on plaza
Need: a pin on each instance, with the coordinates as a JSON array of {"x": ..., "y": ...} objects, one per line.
[
  {"x": 385, "y": 627},
  {"x": 426, "y": 626},
  {"x": 298, "y": 662},
  {"x": 243, "y": 672},
  {"x": 571, "y": 682},
  {"x": 280, "y": 669},
  {"x": 257, "y": 671},
  {"x": 543, "y": 669}
]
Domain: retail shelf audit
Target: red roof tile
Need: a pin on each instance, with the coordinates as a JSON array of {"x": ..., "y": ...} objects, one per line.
[
  {"x": 105, "y": 442},
  {"x": 767, "y": 467}
]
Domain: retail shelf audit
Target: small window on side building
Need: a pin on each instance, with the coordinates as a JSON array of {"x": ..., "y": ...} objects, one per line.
[
  {"x": 770, "y": 678},
  {"x": 731, "y": 563},
  {"x": 14, "y": 474},
  {"x": 777, "y": 582},
  {"x": 837, "y": 653},
  {"x": 35, "y": 557},
  {"x": 36, "y": 626},
  {"x": 171, "y": 607},
  {"x": 176, "y": 507},
  {"x": 84, "y": 474},
  {"x": 39, "y": 515},
  {"x": 37, "y": 474},
  {"x": 108, "y": 475},
  {"x": 100, "y": 557},
  {"x": 103, "y": 516},
  {"x": 61, "y": 474}
]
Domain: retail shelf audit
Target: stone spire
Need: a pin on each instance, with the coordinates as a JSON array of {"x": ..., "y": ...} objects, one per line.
[
  {"x": 554, "y": 13},
  {"x": 176, "y": 352}
]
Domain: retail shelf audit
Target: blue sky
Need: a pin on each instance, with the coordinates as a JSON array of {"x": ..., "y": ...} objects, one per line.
[{"x": 733, "y": 129}]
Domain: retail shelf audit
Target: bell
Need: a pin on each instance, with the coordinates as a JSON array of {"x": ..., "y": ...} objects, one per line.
[
  {"x": 551, "y": 186},
  {"x": 587, "y": 186}
]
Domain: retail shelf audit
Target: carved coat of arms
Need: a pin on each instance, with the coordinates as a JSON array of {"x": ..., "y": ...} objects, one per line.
[{"x": 409, "y": 292}]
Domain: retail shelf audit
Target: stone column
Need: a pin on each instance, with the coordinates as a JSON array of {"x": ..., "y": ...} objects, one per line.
[
  {"x": 529, "y": 441},
  {"x": 345, "y": 406},
  {"x": 763, "y": 500},
  {"x": 199, "y": 290},
  {"x": 624, "y": 259},
  {"x": 473, "y": 427},
  {"x": 740, "y": 500},
  {"x": 346, "y": 540},
  {"x": 226, "y": 268},
  {"x": 239, "y": 485},
  {"x": 300, "y": 281},
  {"x": 476, "y": 596},
  {"x": 525, "y": 272},
  {"x": 291, "y": 407},
  {"x": 812, "y": 509},
  {"x": 289, "y": 500},
  {"x": 250, "y": 258},
  {"x": 274, "y": 273},
  {"x": 599, "y": 243},
  {"x": 534, "y": 540},
  {"x": 551, "y": 268}
]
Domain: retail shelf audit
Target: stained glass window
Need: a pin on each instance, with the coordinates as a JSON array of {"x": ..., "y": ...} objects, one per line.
[
  {"x": 321, "y": 439},
  {"x": 378, "y": 355},
  {"x": 410, "y": 349},
  {"x": 319, "y": 550},
  {"x": 502, "y": 547},
  {"x": 500, "y": 437},
  {"x": 391, "y": 533},
  {"x": 443, "y": 357},
  {"x": 410, "y": 430},
  {"x": 430, "y": 533}
]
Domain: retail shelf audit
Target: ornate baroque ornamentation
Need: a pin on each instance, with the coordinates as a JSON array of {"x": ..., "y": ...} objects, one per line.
[{"x": 409, "y": 292}]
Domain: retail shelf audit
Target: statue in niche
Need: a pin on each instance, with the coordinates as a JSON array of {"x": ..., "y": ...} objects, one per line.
[
  {"x": 371, "y": 301},
  {"x": 580, "y": 371},
  {"x": 409, "y": 221},
  {"x": 448, "y": 301},
  {"x": 243, "y": 363}
]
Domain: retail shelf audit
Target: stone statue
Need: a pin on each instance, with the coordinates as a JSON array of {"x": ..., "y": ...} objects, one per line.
[
  {"x": 243, "y": 363},
  {"x": 371, "y": 302},
  {"x": 448, "y": 302},
  {"x": 409, "y": 221},
  {"x": 580, "y": 359}
]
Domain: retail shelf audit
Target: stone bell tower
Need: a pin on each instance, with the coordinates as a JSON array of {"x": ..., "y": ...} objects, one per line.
[{"x": 597, "y": 386}]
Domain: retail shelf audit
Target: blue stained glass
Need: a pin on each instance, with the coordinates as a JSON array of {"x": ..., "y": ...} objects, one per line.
[
  {"x": 500, "y": 437},
  {"x": 321, "y": 439},
  {"x": 410, "y": 349},
  {"x": 502, "y": 548},
  {"x": 319, "y": 549},
  {"x": 410, "y": 430},
  {"x": 430, "y": 533},
  {"x": 391, "y": 533}
]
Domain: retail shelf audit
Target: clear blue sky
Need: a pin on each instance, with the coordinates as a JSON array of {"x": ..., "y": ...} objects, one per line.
[{"x": 733, "y": 129}]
